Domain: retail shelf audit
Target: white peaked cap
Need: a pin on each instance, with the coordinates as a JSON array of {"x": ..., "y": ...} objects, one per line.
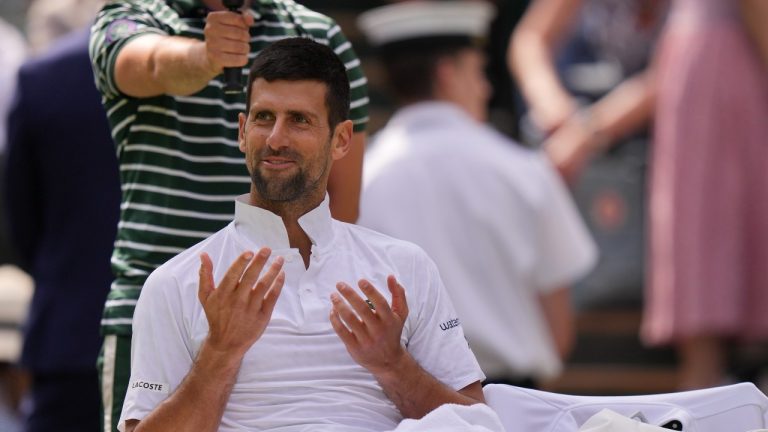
[{"x": 417, "y": 19}]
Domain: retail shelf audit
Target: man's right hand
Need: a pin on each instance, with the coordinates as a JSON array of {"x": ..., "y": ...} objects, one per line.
[
  {"x": 152, "y": 64},
  {"x": 238, "y": 311},
  {"x": 240, "y": 307},
  {"x": 227, "y": 39}
]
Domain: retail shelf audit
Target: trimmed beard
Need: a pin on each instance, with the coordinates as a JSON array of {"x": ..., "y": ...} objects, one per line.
[
  {"x": 293, "y": 188},
  {"x": 280, "y": 190}
]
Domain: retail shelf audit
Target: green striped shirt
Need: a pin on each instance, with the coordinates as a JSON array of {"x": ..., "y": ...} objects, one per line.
[{"x": 180, "y": 165}]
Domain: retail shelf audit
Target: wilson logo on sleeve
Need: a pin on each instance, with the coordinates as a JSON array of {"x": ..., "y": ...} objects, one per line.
[{"x": 451, "y": 323}]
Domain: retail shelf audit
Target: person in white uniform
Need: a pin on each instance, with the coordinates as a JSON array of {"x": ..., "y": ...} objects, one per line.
[
  {"x": 495, "y": 217},
  {"x": 287, "y": 319}
]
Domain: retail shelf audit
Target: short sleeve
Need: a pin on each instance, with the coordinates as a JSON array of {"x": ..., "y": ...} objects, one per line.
[
  {"x": 437, "y": 339},
  {"x": 117, "y": 23},
  {"x": 161, "y": 348},
  {"x": 565, "y": 251},
  {"x": 358, "y": 83}
]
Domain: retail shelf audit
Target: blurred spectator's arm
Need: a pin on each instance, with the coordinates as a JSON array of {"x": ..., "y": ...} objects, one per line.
[
  {"x": 574, "y": 135},
  {"x": 531, "y": 60},
  {"x": 345, "y": 181},
  {"x": 565, "y": 253},
  {"x": 22, "y": 192},
  {"x": 755, "y": 13},
  {"x": 591, "y": 130},
  {"x": 556, "y": 306}
]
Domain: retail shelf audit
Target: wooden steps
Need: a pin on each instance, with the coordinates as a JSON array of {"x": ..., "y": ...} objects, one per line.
[{"x": 609, "y": 358}]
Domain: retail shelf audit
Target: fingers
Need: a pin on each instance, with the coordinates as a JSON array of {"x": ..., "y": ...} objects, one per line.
[
  {"x": 236, "y": 46},
  {"x": 243, "y": 276},
  {"x": 345, "y": 335},
  {"x": 236, "y": 34},
  {"x": 226, "y": 53},
  {"x": 248, "y": 18},
  {"x": 235, "y": 271},
  {"x": 399, "y": 302},
  {"x": 377, "y": 300},
  {"x": 227, "y": 19},
  {"x": 349, "y": 318},
  {"x": 206, "y": 284},
  {"x": 266, "y": 283},
  {"x": 252, "y": 272},
  {"x": 357, "y": 303},
  {"x": 227, "y": 38},
  {"x": 372, "y": 336},
  {"x": 270, "y": 299}
]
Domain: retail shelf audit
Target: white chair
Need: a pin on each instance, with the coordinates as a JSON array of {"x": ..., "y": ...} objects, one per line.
[{"x": 734, "y": 408}]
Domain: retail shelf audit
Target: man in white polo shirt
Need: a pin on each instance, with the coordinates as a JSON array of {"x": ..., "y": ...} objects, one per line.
[
  {"x": 287, "y": 319},
  {"x": 495, "y": 216}
]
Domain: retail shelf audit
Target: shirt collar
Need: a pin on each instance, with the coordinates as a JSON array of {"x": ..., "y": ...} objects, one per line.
[{"x": 267, "y": 229}]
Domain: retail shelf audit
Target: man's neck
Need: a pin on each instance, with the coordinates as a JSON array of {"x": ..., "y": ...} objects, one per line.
[{"x": 290, "y": 212}]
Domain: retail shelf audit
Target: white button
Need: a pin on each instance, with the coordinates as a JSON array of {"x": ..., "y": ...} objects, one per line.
[{"x": 289, "y": 258}]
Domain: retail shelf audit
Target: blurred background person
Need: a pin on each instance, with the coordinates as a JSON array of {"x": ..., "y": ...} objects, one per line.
[
  {"x": 581, "y": 66},
  {"x": 49, "y": 20},
  {"x": 494, "y": 216},
  {"x": 504, "y": 105},
  {"x": 14, "y": 283},
  {"x": 705, "y": 89},
  {"x": 15, "y": 292},
  {"x": 11, "y": 57},
  {"x": 62, "y": 201},
  {"x": 709, "y": 190}
]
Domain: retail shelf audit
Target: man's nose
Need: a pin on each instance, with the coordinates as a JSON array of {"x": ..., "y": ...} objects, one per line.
[{"x": 278, "y": 136}]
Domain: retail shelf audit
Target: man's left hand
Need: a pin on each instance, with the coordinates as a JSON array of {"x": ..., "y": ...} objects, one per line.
[{"x": 371, "y": 328}]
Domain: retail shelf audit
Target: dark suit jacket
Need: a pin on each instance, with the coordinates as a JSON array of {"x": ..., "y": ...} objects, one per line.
[{"x": 63, "y": 199}]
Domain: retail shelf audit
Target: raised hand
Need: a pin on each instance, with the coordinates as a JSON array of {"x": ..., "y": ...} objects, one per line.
[
  {"x": 550, "y": 116},
  {"x": 239, "y": 309},
  {"x": 371, "y": 330},
  {"x": 227, "y": 39},
  {"x": 570, "y": 147}
]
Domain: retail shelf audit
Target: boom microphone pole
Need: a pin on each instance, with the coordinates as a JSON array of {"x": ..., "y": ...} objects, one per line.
[{"x": 233, "y": 82}]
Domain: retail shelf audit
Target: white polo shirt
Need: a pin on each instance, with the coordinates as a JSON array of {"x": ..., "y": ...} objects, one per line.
[
  {"x": 494, "y": 216},
  {"x": 298, "y": 375}
]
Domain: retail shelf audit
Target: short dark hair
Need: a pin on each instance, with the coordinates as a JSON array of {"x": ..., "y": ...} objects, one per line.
[
  {"x": 410, "y": 65},
  {"x": 299, "y": 59}
]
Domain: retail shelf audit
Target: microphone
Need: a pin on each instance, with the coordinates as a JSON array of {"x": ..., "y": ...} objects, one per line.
[{"x": 233, "y": 82}]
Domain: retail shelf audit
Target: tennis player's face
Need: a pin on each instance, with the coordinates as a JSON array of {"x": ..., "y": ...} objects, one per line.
[{"x": 287, "y": 141}]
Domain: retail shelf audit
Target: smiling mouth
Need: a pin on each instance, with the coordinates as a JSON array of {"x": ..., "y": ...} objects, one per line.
[{"x": 277, "y": 163}]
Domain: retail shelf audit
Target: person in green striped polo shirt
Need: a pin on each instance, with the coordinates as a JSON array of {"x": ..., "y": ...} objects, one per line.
[{"x": 158, "y": 65}]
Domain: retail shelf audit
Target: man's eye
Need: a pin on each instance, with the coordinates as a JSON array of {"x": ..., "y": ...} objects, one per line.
[
  {"x": 298, "y": 118},
  {"x": 262, "y": 116}
]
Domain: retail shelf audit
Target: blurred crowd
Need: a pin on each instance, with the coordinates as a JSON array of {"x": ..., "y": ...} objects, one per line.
[{"x": 583, "y": 154}]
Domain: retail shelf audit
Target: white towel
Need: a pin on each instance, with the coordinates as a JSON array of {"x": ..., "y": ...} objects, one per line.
[{"x": 455, "y": 418}]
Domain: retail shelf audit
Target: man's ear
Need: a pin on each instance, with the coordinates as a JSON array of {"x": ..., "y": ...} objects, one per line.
[
  {"x": 342, "y": 139},
  {"x": 241, "y": 119}
]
